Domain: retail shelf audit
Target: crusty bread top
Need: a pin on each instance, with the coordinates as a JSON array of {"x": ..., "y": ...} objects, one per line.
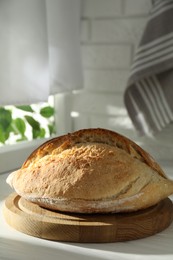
[
  {"x": 91, "y": 170},
  {"x": 93, "y": 135}
]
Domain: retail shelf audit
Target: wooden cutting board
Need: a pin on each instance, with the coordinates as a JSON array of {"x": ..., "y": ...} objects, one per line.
[{"x": 33, "y": 220}]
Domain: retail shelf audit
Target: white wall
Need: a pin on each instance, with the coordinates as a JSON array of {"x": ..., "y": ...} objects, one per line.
[{"x": 110, "y": 32}]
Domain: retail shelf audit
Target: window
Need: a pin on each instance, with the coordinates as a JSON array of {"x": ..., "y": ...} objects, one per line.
[
  {"x": 26, "y": 122},
  {"x": 22, "y": 129}
]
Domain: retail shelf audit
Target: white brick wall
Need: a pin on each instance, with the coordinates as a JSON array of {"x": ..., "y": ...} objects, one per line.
[
  {"x": 117, "y": 30},
  {"x": 110, "y": 32},
  {"x": 106, "y": 80},
  {"x": 101, "y": 8},
  {"x": 136, "y": 7},
  {"x": 106, "y": 56}
]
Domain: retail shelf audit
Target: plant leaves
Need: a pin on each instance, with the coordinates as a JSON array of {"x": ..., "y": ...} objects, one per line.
[
  {"x": 42, "y": 133},
  {"x": 10, "y": 127},
  {"x": 33, "y": 123},
  {"x": 26, "y": 108},
  {"x": 38, "y": 133},
  {"x": 20, "y": 126},
  {"x": 23, "y": 138},
  {"x": 35, "y": 126},
  {"x": 51, "y": 129},
  {"x": 5, "y": 118},
  {"x": 2, "y": 135},
  {"x": 47, "y": 111}
]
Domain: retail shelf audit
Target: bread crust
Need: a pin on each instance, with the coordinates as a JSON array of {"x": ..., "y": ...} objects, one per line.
[{"x": 91, "y": 171}]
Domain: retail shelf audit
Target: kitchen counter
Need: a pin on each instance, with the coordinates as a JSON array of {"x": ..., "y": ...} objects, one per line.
[{"x": 18, "y": 246}]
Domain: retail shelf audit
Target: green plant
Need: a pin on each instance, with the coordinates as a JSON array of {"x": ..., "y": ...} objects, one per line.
[{"x": 17, "y": 127}]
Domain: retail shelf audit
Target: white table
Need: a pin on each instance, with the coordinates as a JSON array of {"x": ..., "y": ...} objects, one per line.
[{"x": 18, "y": 246}]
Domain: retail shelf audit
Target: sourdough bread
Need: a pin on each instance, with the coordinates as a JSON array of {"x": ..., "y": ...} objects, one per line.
[{"x": 91, "y": 171}]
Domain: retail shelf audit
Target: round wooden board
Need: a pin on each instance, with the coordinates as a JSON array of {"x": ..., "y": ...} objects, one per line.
[{"x": 33, "y": 220}]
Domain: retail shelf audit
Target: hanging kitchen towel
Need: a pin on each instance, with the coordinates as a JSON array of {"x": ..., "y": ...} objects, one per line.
[
  {"x": 39, "y": 49},
  {"x": 149, "y": 94}
]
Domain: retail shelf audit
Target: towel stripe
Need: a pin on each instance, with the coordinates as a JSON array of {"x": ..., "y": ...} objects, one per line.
[
  {"x": 153, "y": 103},
  {"x": 152, "y": 94},
  {"x": 159, "y": 48},
  {"x": 152, "y": 63},
  {"x": 164, "y": 101},
  {"x": 161, "y": 10},
  {"x": 160, "y": 4},
  {"x": 154, "y": 56},
  {"x": 155, "y": 42},
  {"x": 160, "y": 104},
  {"x": 156, "y": 48},
  {"x": 139, "y": 116},
  {"x": 149, "y": 106}
]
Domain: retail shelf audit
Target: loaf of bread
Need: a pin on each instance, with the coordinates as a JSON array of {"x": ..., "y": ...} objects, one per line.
[{"x": 91, "y": 171}]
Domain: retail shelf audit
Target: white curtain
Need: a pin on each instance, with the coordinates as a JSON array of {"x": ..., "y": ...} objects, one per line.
[{"x": 39, "y": 49}]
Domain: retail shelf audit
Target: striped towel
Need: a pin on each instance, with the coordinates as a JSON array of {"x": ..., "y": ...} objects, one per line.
[{"x": 149, "y": 94}]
